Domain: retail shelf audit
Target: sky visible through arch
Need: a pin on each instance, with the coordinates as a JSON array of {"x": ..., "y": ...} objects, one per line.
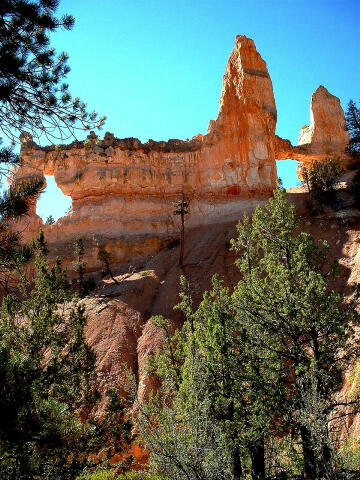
[{"x": 155, "y": 67}]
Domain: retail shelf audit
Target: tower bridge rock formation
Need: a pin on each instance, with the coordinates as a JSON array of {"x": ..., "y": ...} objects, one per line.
[{"x": 123, "y": 190}]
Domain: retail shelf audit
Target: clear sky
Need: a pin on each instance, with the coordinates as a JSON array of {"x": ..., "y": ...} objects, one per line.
[{"x": 155, "y": 67}]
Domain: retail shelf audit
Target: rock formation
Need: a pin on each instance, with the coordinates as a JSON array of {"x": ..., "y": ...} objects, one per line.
[
  {"x": 123, "y": 191},
  {"x": 326, "y": 136}
]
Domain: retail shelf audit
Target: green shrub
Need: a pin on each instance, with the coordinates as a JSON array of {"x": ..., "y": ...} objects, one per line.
[
  {"x": 323, "y": 177},
  {"x": 349, "y": 454}
]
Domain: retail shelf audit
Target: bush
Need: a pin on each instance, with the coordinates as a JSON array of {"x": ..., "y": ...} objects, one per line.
[{"x": 322, "y": 178}]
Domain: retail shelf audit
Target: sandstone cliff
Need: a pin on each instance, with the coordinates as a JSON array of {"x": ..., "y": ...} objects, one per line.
[{"x": 123, "y": 191}]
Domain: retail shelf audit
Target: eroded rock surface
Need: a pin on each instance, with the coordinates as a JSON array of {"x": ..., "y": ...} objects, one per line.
[
  {"x": 325, "y": 137},
  {"x": 123, "y": 190}
]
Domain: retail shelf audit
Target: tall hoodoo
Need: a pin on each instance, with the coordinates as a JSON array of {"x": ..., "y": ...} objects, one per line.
[
  {"x": 327, "y": 132},
  {"x": 325, "y": 137},
  {"x": 245, "y": 126}
]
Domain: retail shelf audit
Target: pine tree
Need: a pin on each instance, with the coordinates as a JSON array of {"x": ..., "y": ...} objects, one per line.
[
  {"x": 181, "y": 208},
  {"x": 47, "y": 381},
  {"x": 212, "y": 414},
  {"x": 33, "y": 94},
  {"x": 33, "y": 97},
  {"x": 50, "y": 220},
  {"x": 80, "y": 264},
  {"x": 352, "y": 116},
  {"x": 289, "y": 310},
  {"x": 104, "y": 256},
  {"x": 260, "y": 364}
]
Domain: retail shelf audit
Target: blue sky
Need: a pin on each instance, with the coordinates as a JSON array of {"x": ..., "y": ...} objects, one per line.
[{"x": 155, "y": 67}]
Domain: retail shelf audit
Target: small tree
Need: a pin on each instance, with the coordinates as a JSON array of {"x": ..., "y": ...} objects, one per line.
[
  {"x": 50, "y": 220},
  {"x": 181, "y": 207},
  {"x": 322, "y": 178},
  {"x": 80, "y": 265},
  {"x": 104, "y": 256},
  {"x": 352, "y": 116}
]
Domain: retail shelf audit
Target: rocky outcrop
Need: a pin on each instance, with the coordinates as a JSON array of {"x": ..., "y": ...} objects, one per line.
[
  {"x": 327, "y": 132},
  {"x": 325, "y": 137},
  {"x": 123, "y": 190}
]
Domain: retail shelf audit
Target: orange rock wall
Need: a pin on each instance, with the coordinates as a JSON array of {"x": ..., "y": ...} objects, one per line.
[{"x": 123, "y": 191}]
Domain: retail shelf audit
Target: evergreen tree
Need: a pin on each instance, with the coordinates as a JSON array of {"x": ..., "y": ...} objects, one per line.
[
  {"x": 50, "y": 220},
  {"x": 289, "y": 309},
  {"x": 261, "y": 364},
  {"x": 14, "y": 204},
  {"x": 47, "y": 382},
  {"x": 182, "y": 209},
  {"x": 33, "y": 97},
  {"x": 104, "y": 256},
  {"x": 33, "y": 94},
  {"x": 212, "y": 416},
  {"x": 352, "y": 116},
  {"x": 80, "y": 264}
]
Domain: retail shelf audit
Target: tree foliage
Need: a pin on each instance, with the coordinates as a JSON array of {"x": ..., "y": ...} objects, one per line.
[
  {"x": 260, "y": 364},
  {"x": 35, "y": 97},
  {"x": 48, "y": 391},
  {"x": 33, "y": 94},
  {"x": 181, "y": 208},
  {"x": 105, "y": 257},
  {"x": 322, "y": 178},
  {"x": 352, "y": 116}
]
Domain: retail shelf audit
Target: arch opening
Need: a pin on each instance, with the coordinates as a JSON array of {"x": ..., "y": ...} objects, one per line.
[
  {"x": 52, "y": 202},
  {"x": 286, "y": 170}
]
